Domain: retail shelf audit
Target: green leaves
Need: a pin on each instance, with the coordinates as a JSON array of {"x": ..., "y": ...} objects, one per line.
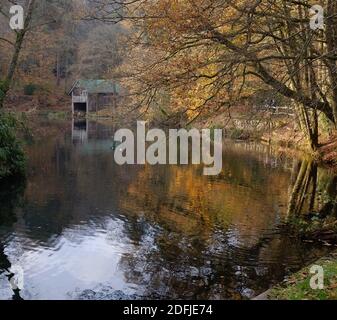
[{"x": 12, "y": 158}]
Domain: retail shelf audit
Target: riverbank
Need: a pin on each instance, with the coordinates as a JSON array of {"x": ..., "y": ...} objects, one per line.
[
  {"x": 278, "y": 131},
  {"x": 297, "y": 286}
]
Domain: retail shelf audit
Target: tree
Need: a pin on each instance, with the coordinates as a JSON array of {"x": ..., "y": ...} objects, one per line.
[
  {"x": 100, "y": 53},
  {"x": 212, "y": 52},
  {"x": 17, "y": 46}
]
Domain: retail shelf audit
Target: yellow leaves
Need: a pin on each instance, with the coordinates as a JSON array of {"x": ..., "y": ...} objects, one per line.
[{"x": 186, "y": 60}]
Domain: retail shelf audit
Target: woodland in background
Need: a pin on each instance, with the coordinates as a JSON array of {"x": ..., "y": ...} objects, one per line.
[
  {"x": 55, "y": 48},
  {"x": 39, "y": 63},
  {"x": 185, "y": 59},
  {"x": 201, "y": 57},
  {"x": 182, "y": 61}
]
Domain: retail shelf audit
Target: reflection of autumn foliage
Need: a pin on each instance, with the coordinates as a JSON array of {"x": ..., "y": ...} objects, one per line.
[
  {"x": 210, "y": 238},
  {"x": 184, "y": 235},
  {"x": 44, "y": 161},
  {"x": 182, "y": 199}
]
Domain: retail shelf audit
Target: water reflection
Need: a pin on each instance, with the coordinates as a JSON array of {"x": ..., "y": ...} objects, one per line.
[
  {"x": 313, "y": 190},
  {"x": 313, "y": 201},
  {"x": 11, "y": 192},
  {"x": 90, "y": 229},
  {"x": 80, "y": 130}
]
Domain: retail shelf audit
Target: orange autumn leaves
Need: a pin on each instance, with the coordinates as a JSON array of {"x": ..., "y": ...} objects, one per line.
[{"x": 178, "y": 59}]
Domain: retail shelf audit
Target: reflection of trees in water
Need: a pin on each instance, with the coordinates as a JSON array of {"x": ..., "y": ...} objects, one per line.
[
  {"x": 313, "y": 191},
  {"x": 179, "y": 221},
  {"x": 171, "y": 265},
  {"x": 11, "y": 193},
  {"x": 187, "y": 248},
  {"x": 70, "y": 184},
  {"x": 312, "y": 209},
  {"x": 304, "y": 188}
]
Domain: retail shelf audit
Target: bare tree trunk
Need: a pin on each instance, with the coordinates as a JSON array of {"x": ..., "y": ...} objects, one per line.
[
  {"x": 20, "y": 35},
  {"x": 331, "y": 38},
  {"x": 58, "y": 69},
  {"x": 66, "y": 73}
]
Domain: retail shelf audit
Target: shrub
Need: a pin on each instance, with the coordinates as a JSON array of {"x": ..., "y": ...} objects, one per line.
[
  {"x": 30, "y": 89},
  {"x": 12, "y": 158}
]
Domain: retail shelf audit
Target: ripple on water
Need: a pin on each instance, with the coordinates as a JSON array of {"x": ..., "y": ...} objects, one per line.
[
  {"x": 178, "y": 234},
  {"x": 81, "y": 256}
]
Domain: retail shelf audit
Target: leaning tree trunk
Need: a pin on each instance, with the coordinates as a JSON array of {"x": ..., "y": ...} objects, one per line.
[{"x": 20, "y": 35}]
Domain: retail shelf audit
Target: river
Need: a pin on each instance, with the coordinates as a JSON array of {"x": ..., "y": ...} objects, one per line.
[{"x": 83, "y": 227}]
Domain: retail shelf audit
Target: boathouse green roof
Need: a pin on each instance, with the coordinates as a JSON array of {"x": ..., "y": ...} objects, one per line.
[{"x": 97, "y": 86}]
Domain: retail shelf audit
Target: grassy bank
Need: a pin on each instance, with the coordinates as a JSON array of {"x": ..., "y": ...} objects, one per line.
[{"x": 297, "y": 287}]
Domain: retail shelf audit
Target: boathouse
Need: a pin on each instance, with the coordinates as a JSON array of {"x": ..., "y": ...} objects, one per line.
[{"x": 93, "y": 95}]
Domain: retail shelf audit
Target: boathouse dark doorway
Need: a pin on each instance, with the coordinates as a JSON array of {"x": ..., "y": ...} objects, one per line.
[{"x": 80, "y": 107}]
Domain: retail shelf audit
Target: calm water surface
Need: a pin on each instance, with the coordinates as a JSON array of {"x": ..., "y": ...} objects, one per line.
[{"x": 83, "y": 227}]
